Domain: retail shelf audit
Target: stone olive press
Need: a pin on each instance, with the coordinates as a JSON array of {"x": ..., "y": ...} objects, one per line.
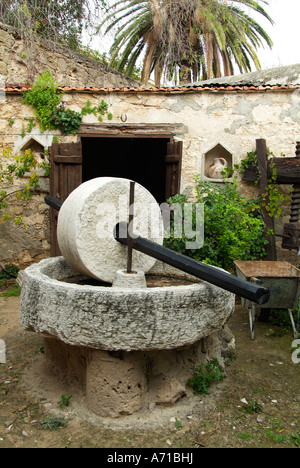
[{"x": 129, "y": 343}]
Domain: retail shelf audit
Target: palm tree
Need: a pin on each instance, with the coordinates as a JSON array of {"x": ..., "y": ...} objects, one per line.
[{"x": 196, "y": 36}]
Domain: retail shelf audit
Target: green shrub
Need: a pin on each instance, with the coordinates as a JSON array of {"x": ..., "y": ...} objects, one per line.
[
  {"x": 44, "y": 96},
  {"x": 233, "y": 226},
  {"x": 205, "y": 375},
  {"x": 9, "y": 271},
  {"x": 67, "y": 121},
  {"x": 65, "y": 400}
]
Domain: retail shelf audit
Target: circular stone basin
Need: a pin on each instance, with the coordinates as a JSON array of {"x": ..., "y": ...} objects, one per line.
[{"x": 54, "y": 302}]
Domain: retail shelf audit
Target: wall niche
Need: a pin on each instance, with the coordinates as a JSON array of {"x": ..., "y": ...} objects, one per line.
[{"x": 215, "y": 161}]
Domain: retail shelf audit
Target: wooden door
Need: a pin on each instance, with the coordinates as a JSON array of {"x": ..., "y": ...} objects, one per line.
[
  {"x": 65, "y": 176},
  {"x": 173, "y": 161}
]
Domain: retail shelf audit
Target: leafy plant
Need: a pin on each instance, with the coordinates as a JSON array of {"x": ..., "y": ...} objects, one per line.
[
  {"x": 9, "y": 271},
  {"x": 67, "y": 121},
  {"x": 205, "y": 375},
  {"x": 53, "y": 423},
  {"x": 252, "y": 408},
  {"x": 44, "y": 96},
  {"x": 99, "y": 111},
  {"x": 31, "y": 125},
  {"x": 279, "y": 438},
  {"x": 295, "y": 438},
  {"x": 50, "y": 112},
  {"x": 233, "y": 226},
  {"x": 13, "y": 168},
  {"x": 45, "y": 165},
  {"x": 250, "y": 160},
  {"x": 65, "y": 400},
  {"x": 272, "y": 198},
  {"x": 178, "y": 424},
  {"x": 88, "y": 109}
]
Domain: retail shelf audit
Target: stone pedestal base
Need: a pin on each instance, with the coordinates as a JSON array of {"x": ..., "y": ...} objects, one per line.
[{"x": 122, "y": 383}]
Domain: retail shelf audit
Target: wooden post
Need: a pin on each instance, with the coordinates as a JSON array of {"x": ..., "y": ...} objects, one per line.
[
  {"x": 130, "y": 227},
  {"x": 261, "y": 148}
]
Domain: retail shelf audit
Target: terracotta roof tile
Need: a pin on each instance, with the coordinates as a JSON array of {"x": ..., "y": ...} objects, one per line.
[{"x": 175, "y": 89}]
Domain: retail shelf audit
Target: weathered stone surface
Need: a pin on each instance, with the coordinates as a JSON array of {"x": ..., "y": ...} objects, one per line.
[
  {"x": 30, "y": 241},
  {"x": 132, "y": 280},
  {"x": 116, "y": 319},
  {"x": 86, "y": 223},
  {"x": 170, "y": 392},
  {"x": 115, "y": 385},
  {"x": 121, "y": 383},
  {"x": 68, "y": 67}
]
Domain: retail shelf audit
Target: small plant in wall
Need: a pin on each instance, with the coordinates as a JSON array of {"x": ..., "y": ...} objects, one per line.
[
  {"x": 44, "y": 96},
  {"x": 66, "y": 120},
  {"x": 250, "y": 161},
  {"x": 51, "y": 113},
  {"x": 99, "y": 111}
]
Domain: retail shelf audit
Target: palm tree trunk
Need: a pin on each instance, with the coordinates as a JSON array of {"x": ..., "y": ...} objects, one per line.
[
  {"x": 148, "y": 62},
  {"x": 228, "y": 68},
  {"x": 209, "y": 54},
  {"x": 159, "y": 65},
  {"x": 217, "y": 64}
]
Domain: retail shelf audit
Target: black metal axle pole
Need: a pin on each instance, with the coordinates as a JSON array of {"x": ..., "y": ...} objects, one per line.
[
  {"x": 53, "y": 202},
  {"x": 130, "y": 228},
  {"x": 212, "y": 275},
  {"x": 208, "y": 273}
]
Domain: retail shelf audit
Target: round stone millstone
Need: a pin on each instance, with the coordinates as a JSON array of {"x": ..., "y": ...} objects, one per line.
[
  {"x": 54, "y": 303},
  {"x": 86, "y": 223}
]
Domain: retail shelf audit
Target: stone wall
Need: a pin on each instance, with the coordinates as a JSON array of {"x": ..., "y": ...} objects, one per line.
[
  {"x": 21, "y": 63},
  {"x": 205, "y": 121}
]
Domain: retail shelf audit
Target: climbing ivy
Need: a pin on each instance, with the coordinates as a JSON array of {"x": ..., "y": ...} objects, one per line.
[
  {"x": 272, "y": 198},
  {"x": 99, "y": 111},
  {"x": 44, "y": 96},
  {"x": 67, "y": 121},
  {"x": 46, "y": 99},
  {"x": 13, "y": 168}
]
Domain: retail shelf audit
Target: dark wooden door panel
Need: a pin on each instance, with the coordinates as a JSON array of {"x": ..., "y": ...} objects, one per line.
[
  {"x": 65, "y": 176},
  {"x": 173, "y": 168}
]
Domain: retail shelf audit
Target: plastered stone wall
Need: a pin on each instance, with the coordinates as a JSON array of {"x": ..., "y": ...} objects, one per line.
[
  {"x": 201, "y": 120},
  {"x": 206, "y": 119}
]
